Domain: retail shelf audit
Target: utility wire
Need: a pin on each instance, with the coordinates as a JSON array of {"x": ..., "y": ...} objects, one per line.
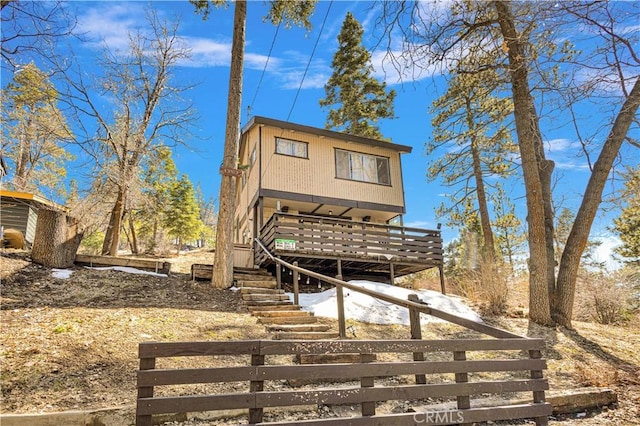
[
  {"x": 309, "y": 62},
  {"x": 273, "y": 42}
]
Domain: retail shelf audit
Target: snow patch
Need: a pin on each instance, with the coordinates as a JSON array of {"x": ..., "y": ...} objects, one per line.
[
  {"x": 126, "y": 269},
  {"x": 365, "y": 308},
  {"x": 62, "y": 274}
]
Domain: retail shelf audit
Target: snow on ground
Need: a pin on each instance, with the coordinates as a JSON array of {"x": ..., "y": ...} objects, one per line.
[
  {"x": 365, "y": 308},
  {"x": 63, "y": 274}
]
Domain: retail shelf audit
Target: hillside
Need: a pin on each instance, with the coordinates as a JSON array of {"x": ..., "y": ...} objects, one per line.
[{"x": 70, "y": 344}]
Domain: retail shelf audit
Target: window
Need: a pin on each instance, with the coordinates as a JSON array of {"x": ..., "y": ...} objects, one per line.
[
  {"x": 292, "y": 148},
  {"x": 362, "y": 167}
]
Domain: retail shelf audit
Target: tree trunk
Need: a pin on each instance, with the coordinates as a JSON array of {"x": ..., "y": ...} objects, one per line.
[
  {"x": 577, "y": 241},
  {"x": 223, "y": 259},
  {"x": 488, "y": 249},
  {"x": 528, "y": 131},
  {"x": 134, "y": 238},
  {"x": 56, "y": 239},
  {"x": 112, "y": 236}
]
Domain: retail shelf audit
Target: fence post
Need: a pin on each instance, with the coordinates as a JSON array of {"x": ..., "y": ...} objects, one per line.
[
  {"x": 416, "y": 333},
  {"x": 278, "y": 276},
  {"x": 368, "y": 408},
  {"x": 538, "y": 396},
  {"x": 342, "y": 326},
  {"x": 145, "y": 392},
  {"x": 296, "y": 290},
  {"x": 464, "y": 402},
  {"x": 256, "y": 414}
]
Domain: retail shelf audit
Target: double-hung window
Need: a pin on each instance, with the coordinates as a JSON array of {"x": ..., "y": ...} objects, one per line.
[
  {"x": 362, "y": 167},
  {"x": 292, "y": 148}
]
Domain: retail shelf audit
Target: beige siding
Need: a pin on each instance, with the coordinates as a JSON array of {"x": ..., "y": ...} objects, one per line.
[{"x": 317, "y": 175}]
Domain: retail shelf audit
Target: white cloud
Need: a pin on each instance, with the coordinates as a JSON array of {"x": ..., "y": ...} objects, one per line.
[
  {"x": 112, "y": 25},
  {"x": 604, "y": 252}
]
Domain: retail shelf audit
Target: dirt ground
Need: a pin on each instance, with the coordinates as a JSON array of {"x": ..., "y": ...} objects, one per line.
[{"x": 69, "y": 344}]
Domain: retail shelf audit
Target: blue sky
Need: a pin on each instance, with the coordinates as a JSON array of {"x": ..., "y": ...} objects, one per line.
[{"x": 283, "y": 94}]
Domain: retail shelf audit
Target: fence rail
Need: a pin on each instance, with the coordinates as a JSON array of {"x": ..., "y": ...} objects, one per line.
[{"x": 370, "y": 377}]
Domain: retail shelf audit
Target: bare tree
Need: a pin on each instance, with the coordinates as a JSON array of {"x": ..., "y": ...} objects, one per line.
[
  {"x": 147, "y": 115},
  {"x": 29, "y": 26}
]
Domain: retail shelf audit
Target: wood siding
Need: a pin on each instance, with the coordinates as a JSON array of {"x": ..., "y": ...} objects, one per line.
[{"x": 317, "y": 174}]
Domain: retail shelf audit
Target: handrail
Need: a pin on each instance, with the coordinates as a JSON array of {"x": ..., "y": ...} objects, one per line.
[{"x": 420, "y": 307}]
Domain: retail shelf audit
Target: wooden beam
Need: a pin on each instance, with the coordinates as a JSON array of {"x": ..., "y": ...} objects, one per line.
[{"x": 148, "y": 264}]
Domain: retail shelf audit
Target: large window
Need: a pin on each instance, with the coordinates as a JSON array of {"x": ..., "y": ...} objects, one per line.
[
  {"x": 292, "y": 148},
  {"x": 362, "y": 167}
]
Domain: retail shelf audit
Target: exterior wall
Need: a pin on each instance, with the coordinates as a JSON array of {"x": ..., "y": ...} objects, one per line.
[
  {"x": 247, "y": 187},
  {"x": 317, "y": 174},
  {"x": 20, "y": 215}
]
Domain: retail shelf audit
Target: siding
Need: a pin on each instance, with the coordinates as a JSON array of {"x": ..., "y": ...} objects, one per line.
[
  {"x": 317, "y": 175},
  {"x": 18, "y": 214}
]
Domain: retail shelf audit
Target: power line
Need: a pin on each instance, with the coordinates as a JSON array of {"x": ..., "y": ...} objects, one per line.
[
  {"x": 273, "y": 42},
  {"x": 309, "y": 62}
]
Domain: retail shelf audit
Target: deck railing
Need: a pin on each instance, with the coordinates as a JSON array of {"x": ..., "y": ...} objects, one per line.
[{"x": 347, "y": 239}]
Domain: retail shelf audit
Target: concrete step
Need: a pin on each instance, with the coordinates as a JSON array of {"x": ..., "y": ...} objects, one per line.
[
  {"x": 297, "y": 327},
  {"x": 259, "y": 284},
  {"x": 259, "y": 290},
  {"x": 290, "y": 312},
  {"x": 269, "y": 296},
  {"x": 299, "y": 319},
  {"x": 306, "y": 335}
]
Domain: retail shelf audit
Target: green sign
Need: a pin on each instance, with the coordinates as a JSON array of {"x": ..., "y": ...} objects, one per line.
[{"x": 282, "y": 244}]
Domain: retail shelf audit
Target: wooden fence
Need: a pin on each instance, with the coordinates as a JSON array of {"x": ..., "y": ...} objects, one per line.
[{"x": 255, "y": 392}]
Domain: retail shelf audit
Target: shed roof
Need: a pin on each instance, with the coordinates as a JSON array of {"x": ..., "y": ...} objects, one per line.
[{"x": 29, "y": 197}]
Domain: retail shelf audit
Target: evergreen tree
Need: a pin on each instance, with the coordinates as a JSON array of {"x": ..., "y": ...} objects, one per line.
[
  {"x": 182, "y": 218},
  {"x": 508, "y": 229},
  {"x": 362, "y": 99},
  {"x": 34, "y": 133},
  {"x": 627, "y": 225}
]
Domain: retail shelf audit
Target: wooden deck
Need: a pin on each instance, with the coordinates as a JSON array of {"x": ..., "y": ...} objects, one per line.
[{"x": 364, "y": 248}]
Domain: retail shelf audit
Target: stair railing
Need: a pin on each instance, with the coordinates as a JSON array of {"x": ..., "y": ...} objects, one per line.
[{"x": 415, "y": 305}]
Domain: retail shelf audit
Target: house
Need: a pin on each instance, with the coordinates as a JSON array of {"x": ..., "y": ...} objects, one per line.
[
  {"x": 319, "y": 197},
  {"x": 19, "y": 210}
]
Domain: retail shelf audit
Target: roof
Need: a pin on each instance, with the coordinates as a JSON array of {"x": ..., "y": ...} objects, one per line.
[
  {"x": 257, "y": 121},
  {"x": 27, "y": 196}
]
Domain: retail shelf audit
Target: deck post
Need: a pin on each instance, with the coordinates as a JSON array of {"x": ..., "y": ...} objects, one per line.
[
  {"x": 441, "y": 270},
  {"x": 278, "y": 276},
  {"x": 416, "y": 333},
  {"x": 342, "y": 326},
  {"x": 296, "y": 290},
  {"x": 392, "y": 271}
]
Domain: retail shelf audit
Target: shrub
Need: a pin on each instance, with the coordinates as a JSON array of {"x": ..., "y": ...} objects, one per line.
[{"x": 603, "y": 299}]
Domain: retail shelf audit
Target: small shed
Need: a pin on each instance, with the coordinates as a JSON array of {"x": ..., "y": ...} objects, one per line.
[{"x": 19, "y": 210}]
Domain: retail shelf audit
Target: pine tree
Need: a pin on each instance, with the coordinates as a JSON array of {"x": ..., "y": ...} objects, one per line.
[
  {"x": 183, "y": 215},
  {"x": 34, "y": 132},
  {"x": 627, "y": 225},
  {"x": 362, "y": 99}
]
